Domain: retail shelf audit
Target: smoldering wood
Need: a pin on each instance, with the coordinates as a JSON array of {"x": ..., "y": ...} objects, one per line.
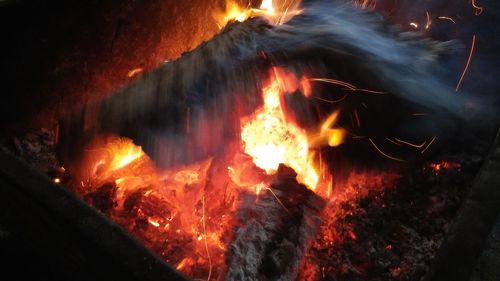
[
  {"x": 47, "y": 233},
  {"x": 197, "y": 100},
  {"x": 274, "y": 230}
]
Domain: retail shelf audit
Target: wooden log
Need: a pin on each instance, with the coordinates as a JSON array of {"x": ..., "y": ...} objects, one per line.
[{"x": 274, "y": 230}]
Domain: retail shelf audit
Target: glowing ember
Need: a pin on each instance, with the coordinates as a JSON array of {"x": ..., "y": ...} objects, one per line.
[
  {"x": 193, "y": 202},
  {"x": 444, "y": 166}
]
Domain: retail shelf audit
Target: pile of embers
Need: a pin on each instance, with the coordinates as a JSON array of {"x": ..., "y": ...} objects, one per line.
[
  {"x": 390, "y": 230},
  {"x": 393, "y": 230}
]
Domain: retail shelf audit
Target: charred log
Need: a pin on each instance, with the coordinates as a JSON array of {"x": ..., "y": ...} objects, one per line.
[{"x": 274, "y": 230}]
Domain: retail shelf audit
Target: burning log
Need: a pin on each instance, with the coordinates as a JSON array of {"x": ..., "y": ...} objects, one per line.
[
  {"x": 169, "y": 110},
  {"x": 275, "y": 227}
]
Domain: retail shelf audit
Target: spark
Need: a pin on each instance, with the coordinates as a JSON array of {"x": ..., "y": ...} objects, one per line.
[
  {"x": 206, "y": 243},
  {"x": 415, "y": 25},
  {"x": 478, "y": 10},
  {"x": 345, "y": 84},
  {"x": 411, "y": 144},
  {"x": 428, "y": 145},
  {"x": 336, "y": 82},
  {"x": 358, "y": 121},
  {"x": 384, "y": 154},
  {"x": 277, "y": 199},
  {"x": 389, "y": 140},
  {"x": 332, "y": 101},
  {"x": 468, "y": 62},
  {"x": 134, "y": 72},
  {"x": 420, "y": 114},
  {"x": 429, "y": 20},
  {"x": 57, "y": 180},
  {"x": 447, "y": 18}
]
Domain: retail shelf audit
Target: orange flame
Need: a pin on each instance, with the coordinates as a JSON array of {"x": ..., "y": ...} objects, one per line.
[
  {"x": 232, "y": 12},
  {"x": 327, "y": 135},
  {"x": 277, "y": 12},
  {"x": 270, "y": 139}
]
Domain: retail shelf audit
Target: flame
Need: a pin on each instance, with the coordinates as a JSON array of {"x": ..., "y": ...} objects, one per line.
[
  {"x": 276, "y": 12},
  {"x": 194, "y": 202},
  {"x": 270, "y": 139},
  {"x": 124, "y": 153},
  {"x": 267, "y": 5},
  {"x": 327, "y": 135},
  {"x": 232, "y": 12}
]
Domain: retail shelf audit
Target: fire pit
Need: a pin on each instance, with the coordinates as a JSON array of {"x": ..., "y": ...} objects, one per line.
[{"x": 304, "y": 141}]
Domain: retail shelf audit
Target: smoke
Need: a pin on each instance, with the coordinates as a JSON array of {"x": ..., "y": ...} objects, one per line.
[{"x": 189, "y": 109}]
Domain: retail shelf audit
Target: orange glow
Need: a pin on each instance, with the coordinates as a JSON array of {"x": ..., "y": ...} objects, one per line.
[
  {"x": 107, "y": 161},
  {"x": 467, "y": 64},
  {"x": 444, "y": 165},
  {"x": 270, "y": 139},
  {"x": 124, "y": 153},
  {"x": 194, "y": 203},
  {"x": 232, "y": 12},
  {"x": 277, "y": 12},
  {"x": 327, "y": 135}
]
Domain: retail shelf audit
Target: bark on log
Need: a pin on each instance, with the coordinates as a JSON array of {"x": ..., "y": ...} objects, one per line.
[{"x": 274, "y": 230}]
